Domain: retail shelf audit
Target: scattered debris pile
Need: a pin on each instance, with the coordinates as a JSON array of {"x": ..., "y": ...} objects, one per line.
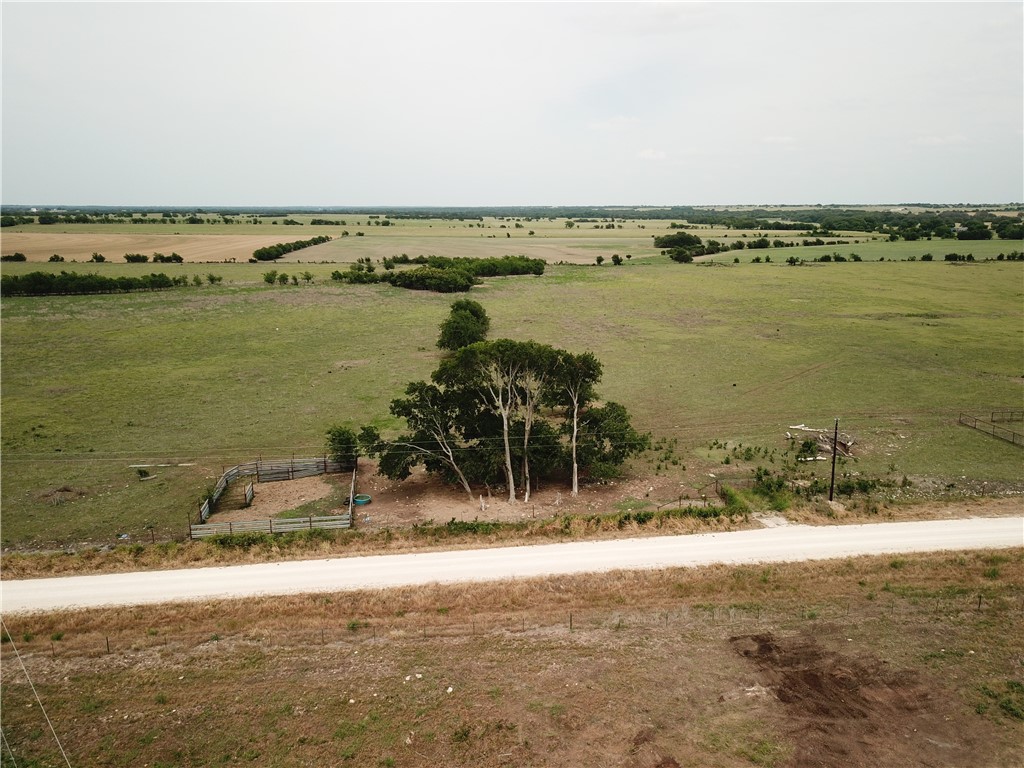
[{"x": 844, "y": 443}]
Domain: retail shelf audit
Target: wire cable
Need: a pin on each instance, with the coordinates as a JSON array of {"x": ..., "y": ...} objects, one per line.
[
  {"x": 9, "y": 750},
  {"x": 60, "y": 746}
]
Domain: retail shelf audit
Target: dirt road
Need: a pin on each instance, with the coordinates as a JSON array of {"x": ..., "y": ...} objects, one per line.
[{"x": 783, "y": 544}]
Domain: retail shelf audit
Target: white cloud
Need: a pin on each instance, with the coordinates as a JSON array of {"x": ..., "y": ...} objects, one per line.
[
  {"x": 941, "y": 141},
  {"x": 613, "y": 124},
  {"x": 431, "y": 103}
]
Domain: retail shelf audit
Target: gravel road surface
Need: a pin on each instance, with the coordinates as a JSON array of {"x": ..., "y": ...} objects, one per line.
[{"x": 782, "y": 544}]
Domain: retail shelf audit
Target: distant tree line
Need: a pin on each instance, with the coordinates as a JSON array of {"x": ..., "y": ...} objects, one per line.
[
  {"x": 272, "y": 252},
  {"x": 896, "y": 223}
]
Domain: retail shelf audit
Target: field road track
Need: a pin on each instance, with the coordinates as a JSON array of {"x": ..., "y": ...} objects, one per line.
[{"x": 769, "y": 545}]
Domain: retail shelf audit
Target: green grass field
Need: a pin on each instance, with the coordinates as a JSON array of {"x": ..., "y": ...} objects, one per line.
[{"x": 212, "y": 375}]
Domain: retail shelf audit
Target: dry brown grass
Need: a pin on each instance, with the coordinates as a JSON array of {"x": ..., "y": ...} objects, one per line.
[
  {"x": 39, "y": 246},
  {"x": 647, "y": 676}
]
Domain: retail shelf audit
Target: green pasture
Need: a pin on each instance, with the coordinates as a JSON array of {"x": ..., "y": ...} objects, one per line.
[{"x": 209, "y": 376}]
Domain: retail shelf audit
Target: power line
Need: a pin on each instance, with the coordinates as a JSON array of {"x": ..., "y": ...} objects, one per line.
[
  {"x": 34, "y": 693},
  {"x": 9, "y": 750}
]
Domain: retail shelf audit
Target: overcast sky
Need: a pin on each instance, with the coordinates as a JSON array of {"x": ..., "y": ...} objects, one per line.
[{"x": 512, "y": 103}]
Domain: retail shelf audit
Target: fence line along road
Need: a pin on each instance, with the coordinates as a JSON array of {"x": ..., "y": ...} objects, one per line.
[
  {"x": 270, "y": 525},
  {"x": 784, "y": 544}
]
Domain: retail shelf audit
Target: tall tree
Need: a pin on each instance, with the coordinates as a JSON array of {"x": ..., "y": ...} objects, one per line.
[
  {"x": 538, "y": 366},
  {"x": 433, "y": 414},
  {"x": 492, "y": 369},
  {"x": 573, "y": 388}
]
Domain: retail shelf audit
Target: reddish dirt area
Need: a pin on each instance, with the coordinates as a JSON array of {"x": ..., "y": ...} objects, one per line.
[
  {"x": 421, "y": 498},
  {"x": 856, "y": 710}
]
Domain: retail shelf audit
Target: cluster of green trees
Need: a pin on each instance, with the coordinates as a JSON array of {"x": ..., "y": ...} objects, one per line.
[
  {"x": 46, "y": 283},
  {"x": 419, "y": 279},
  {"x": 158, "y": 258},
  {"x": 14, "y": 257},
  {"x": 431, "y": 279},
  {"x": 492, "y": 267},
  {"x": 1009, "y": 229},
  {"x": 276, "y": 251},
  {"x": 440, "y": 274},
  {"x": 505, "y": 413},
  {"x": 684, "y": 247},
  {"x": 14, "y": 221}
]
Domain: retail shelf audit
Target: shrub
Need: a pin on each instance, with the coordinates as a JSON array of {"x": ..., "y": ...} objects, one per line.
[
  {"x": 241, "y": 540},
  {"x": 432, "y": 279},
  {"x": 734, "y": 504},
  {"x": 343, "y": 446},
  {"x": 13, "y": 257},
  {"x": 468, "y": 323}
]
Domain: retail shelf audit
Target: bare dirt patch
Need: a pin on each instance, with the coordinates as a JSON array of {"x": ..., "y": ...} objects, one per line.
[
  {"x": 857, "y": 710},
  {"x": 422, "y": 498},
  {"x": 271, "y": 499}
]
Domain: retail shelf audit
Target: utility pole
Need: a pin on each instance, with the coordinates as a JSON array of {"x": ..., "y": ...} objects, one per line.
[{"x": 835, "y": 446}]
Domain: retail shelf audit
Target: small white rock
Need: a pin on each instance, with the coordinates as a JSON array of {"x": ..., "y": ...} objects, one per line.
[{"x": 450, "y": 689}]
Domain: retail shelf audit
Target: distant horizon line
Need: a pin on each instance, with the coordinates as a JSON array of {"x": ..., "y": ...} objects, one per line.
[{"x": 420, "y": 207}]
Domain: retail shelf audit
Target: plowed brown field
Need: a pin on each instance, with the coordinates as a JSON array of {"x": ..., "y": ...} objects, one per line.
[{"x": 192, "y": 248}]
